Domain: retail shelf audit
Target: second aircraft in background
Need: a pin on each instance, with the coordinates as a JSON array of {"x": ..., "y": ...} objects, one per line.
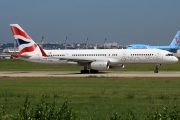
[{"x": 173, "y": 47}]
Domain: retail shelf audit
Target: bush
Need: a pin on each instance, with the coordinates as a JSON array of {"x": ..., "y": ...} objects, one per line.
[
  {"x": 130, "y": 116},
  {"x": 165, "y": 115},
  {"x": 45, "y": 111}
]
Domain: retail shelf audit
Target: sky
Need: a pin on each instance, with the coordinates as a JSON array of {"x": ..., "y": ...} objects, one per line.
[{"x": 125, "y": 22}]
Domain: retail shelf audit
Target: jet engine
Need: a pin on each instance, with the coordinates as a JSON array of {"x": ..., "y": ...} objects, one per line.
[
  {"x": 99, "y": 65},
  {"x": 119, "y": 66}
]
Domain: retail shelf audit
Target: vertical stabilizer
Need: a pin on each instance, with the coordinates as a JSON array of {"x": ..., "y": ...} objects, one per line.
[
  {"x": 26, "y": 45},
  {"x": 176, "y": 41}
]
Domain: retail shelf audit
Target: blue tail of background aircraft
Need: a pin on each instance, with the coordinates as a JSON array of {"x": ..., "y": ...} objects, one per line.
[
  {"x": 173, "y": 47},
  {"x": 176, "y": 41}
]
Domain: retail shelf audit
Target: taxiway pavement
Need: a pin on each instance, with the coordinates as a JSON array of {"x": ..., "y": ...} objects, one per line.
[{"x": 77, "y": 74}]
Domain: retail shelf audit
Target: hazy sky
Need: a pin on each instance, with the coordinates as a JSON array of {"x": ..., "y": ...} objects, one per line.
[{"x": 152, "y": 22}]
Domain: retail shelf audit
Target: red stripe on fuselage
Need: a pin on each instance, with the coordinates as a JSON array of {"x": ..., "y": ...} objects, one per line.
[{"x": 17, "y": 31}]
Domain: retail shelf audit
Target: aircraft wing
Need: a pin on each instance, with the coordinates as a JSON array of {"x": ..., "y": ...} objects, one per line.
[
  {"x": 90, "y": 60},
  {"x": 16, "y": 55},
  {"x": 78, "y": 60}
]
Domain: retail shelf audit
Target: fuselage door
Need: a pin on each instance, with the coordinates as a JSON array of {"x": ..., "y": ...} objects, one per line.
[{"x": 123, "y": 57}]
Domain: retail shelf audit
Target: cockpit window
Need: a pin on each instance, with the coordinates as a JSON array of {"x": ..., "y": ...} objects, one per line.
[{"x": 169, "y": 54}]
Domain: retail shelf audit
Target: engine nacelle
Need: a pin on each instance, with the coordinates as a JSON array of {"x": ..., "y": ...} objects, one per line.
[
  {"x": 99, "y": 65},
  {"x": 119, "y": 66}
]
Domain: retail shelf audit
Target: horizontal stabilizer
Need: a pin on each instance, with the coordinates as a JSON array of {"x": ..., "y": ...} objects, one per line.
[{"x": 19, "y": 55}]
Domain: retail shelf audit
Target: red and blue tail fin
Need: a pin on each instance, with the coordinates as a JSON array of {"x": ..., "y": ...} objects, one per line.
[
  {"x": 27, "y": 47},
  {"x": 26, "y": 44}
]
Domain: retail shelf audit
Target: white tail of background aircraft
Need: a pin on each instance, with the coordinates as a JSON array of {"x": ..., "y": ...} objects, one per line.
[{"x": 93, "y": 59}]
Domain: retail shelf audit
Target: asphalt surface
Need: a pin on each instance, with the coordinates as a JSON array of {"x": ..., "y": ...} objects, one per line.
[{"x": 77, "y": 74}]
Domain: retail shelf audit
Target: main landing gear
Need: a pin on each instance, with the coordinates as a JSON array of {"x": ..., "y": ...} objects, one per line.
[
  {"x": 85, "y": 71},
  {"x": 94, "y": 71},
  {"x": 89, "y": 71},
  {"x": 157, "y": 68}
]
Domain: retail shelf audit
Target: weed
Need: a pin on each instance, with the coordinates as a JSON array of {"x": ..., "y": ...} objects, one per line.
[
  {"x": 46, "y": 96},
  {"x": 92, "y": 76},
  {"x": 114, "y": 92},
  {"x": 165, "y": 115},
  {"x": 167, "y": 81},
  {"x": 5, "y": 99},
  {"x": 175, "y": 97},
  {"x": 55, "y": 95},
  {"x": 115, "y": 117},
  {"x": 25, "y": 113},
  {"x": 130, "y": 95},
  {"x": 2, "y": 112},
  {"x": 95, "y": 96},
  {"x": 130, "y": 115},
  {"x": 103, "y": 91},
  {"x": 162, "y": 96},
  {"x": 44, "y": 111},
  {"x": 149, "y": 97},
  {"x": 30, "y": 95},
  {"x": 19, "y": 96}
]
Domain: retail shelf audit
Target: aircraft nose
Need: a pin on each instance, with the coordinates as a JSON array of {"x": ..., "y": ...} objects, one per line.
[{"x": 175, "y": 59}]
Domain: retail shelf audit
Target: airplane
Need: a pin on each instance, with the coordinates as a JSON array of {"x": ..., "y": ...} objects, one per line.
[
  {"x": 93, "y": 60},
  {"x": 173, "y": 47}
]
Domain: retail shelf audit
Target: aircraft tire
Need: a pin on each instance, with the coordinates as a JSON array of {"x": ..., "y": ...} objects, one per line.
[
  {"x": 156, "y": 71},
  {"x": 84, "y": 71},
  {"x": 94, "y": 71}
]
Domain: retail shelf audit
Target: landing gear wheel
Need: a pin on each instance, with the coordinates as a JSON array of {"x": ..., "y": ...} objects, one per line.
[
  {"x": 156, "y": 69},
  {"x": 84, "y": 71},
  {"x": 94, "y": 71}
]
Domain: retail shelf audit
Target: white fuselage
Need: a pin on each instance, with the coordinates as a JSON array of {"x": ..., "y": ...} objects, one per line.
[
  {"x": 103, "y": 59},
  {"x": 115, "y": 56}
]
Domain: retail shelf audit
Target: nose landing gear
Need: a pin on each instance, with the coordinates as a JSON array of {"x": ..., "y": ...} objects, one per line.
[{"x": 157, "y": 68}]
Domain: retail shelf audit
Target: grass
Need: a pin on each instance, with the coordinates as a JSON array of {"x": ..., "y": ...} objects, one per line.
[
  {"x": 21, "y": 65},
  {"x": 92, "y": 97}
]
